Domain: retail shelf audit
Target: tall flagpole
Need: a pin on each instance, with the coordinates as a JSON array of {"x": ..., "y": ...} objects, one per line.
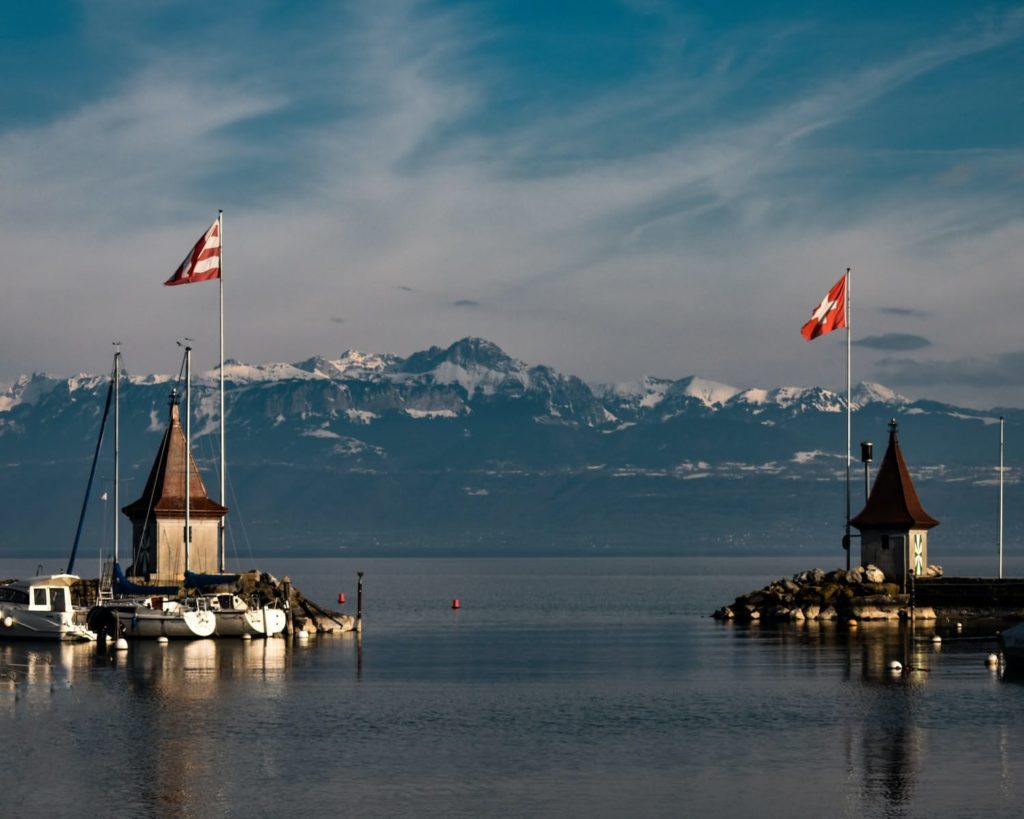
[
  {"x": 849, "y": 435},
  {"x": 188, "y": 449},
  {"x": 223, "y": 463}
]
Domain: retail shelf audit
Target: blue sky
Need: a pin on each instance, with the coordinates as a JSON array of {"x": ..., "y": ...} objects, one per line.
[{"x": 612, "y": 188}]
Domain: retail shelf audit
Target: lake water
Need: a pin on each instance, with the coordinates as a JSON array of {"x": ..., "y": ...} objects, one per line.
[{"x": 575, "y": 687}]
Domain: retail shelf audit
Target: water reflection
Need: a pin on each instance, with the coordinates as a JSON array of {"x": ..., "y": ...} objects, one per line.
[
  {"x": 197, "y": 669},
  {"x": 886, "y": 743}
]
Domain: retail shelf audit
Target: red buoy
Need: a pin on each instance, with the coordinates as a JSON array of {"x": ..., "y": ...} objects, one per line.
[
  {"x": 341, "y": 597},
  {"x": 455, "y": 603}
]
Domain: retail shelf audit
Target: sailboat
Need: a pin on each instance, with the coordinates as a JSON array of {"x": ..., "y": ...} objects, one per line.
[
  {"x": 133, "y": 610},
  {"x": 41, "y": 608}
]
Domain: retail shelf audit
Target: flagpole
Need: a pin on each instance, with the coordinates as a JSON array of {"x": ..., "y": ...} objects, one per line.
[
  {"x": 849, "y": 435},
  {"x": 223, "y": 495},
  {"x": 188, "y": 448}
]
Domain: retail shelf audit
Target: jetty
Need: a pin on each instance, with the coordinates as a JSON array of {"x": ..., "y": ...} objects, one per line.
[{"x": 894, "y": 580}]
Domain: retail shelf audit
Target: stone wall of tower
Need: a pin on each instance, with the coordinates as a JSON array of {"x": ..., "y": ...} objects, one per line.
[{"x": 897, "y": 552}]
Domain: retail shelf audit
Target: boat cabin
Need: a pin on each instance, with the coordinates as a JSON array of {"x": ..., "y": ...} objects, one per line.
[{"x": 43, "y": 593}]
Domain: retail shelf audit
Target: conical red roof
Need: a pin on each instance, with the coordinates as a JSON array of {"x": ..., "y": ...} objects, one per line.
[
  {"x": 893, "y": 502},
  {"x": 165, "y": 489}
]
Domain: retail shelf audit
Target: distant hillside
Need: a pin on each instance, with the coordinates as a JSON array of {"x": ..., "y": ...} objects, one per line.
[{"x": 466, "y": 450}]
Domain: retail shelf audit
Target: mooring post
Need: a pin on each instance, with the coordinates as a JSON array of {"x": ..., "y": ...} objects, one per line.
[
  {"x": 286, "y": 585},
  {"x": 912, "y": 602},
  {"x": 359, "y": 604}
]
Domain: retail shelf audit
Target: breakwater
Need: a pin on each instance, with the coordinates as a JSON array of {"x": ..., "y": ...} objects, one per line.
[{"x": 862, "y": 593}]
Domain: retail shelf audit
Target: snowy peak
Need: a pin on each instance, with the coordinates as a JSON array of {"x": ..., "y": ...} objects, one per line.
[
  {"x": 28, "y": 389},
  {"x": 469, "y": 353},
  {"x": 239, "y": 373},
  {"x": 650, "y": 392},
  {"x": 868, "y": 392},
  {"x": 793, "y": 399},
  {"x": 474, "y": 364},
  {"x": 709, "y": 393},
  {"x": 351, "y": 365}
]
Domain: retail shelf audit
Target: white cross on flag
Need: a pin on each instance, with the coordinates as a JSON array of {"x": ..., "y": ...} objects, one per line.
[
  {"x": 829, "y": 315},
  {"x": 203, "y": 261}
]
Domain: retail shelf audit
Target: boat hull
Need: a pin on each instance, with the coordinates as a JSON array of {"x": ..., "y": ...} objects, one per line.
[
  {"x": 45, "y": 626},
  {"x": 138, "y": 622},
  {"x": 263, "y": 622}
]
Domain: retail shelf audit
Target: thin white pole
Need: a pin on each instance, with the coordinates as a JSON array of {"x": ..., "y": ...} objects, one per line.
[
  {"x": 849, "y": 434},
  {"x": 1001, "y": 444},
  {"x": 223, "y": 462},
  {"x": 117, "y": 444},
  {"x": 188, "y": 448}
]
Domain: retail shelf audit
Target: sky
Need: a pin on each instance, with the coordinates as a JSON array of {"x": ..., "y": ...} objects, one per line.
[{"x": 613, "y": 188}]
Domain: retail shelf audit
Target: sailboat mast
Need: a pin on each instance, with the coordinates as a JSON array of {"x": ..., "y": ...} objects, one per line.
[
  {"x": 221, "y": 546},
  {"x": 117, "y": 446},
  {"x": 1001, "y": 441},
  {"x": 188, "y": 447}
]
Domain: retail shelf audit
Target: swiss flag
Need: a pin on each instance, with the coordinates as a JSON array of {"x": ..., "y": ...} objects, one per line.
[
  {"x": 829, "y": 315},
  {"x": 203, "y": 261}
]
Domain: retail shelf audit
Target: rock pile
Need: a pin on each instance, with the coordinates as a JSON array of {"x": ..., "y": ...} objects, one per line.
[
  {"x": 859, "y": 594},
  {"x": 306, "y": 615}
]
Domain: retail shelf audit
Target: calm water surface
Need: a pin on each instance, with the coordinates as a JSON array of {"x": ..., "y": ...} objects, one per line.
[{"x": 575, "y": 687}]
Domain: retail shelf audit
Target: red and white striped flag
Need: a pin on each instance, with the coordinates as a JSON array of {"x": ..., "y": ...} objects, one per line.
[
  {"x": 203, "y": 261},
  {"x": 829, "y": 315}
]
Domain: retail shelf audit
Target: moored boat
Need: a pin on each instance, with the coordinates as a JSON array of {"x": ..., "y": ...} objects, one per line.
[
  {"x": 152, "y": 617},
  {"x": 41, "y": 609}
]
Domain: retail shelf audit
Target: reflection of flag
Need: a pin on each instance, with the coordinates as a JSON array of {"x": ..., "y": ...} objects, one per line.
[
  {"x": 103, "y": 497},
  {"x": 203, "y": 261},
  {"x": 830, "y": 314}
]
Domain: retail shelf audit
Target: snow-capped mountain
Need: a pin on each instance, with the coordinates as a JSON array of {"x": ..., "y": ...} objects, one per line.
[{"x": 465, "y": 447}]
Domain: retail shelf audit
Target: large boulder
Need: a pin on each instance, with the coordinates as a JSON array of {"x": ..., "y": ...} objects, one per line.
[
  {"x": 872, "y": 574},
  {"x": 867, "y": 612}
]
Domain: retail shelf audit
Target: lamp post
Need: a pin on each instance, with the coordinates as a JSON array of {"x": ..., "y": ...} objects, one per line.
[{"x": 866, "y": 453}]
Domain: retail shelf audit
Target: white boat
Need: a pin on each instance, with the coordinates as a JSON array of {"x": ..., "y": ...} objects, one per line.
[
  {"x": 152, "y": 617},
  {"x": 41, "y": 609}
]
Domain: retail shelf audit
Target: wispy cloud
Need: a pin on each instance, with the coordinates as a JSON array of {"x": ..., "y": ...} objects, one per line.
[
  {"x": 907, "y": 312},
  {"x": 1005, "y": 369},
  {"x": 893, "y": 341}
]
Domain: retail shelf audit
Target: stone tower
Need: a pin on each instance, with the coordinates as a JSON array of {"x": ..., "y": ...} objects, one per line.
[
  {"x": 893, "y": 525},
  {"x": 158, "y": 517}
]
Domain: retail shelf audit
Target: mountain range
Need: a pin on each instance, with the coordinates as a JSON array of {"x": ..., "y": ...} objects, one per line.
[{"x": 467, "y": 450}]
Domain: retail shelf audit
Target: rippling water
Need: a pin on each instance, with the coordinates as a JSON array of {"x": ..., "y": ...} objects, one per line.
[{"x": 560, "y": 688}]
